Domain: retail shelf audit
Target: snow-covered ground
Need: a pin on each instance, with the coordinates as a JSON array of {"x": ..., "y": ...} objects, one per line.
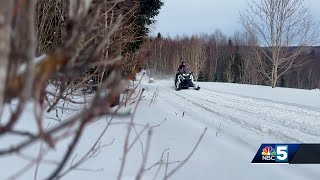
[{"x": 239, "y": 119}]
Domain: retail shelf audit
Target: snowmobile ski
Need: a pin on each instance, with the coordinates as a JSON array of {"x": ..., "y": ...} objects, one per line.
[{"x": 197, "y": 88}]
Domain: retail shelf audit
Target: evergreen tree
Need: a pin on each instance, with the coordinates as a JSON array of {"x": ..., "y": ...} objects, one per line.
[
  {"x": 237, "y": 66},
  {"x": 282, "y": 82},
  {"x": 236, "y": 62},
  {"x": 159, "y": 36},
  {"x": 231, "y": 63},
  {"x": 230, "y": 43},
  {"x": 216, "y": 78},
  {"x": 148, "y": 10},
  {"x": 201, "y": 76}
]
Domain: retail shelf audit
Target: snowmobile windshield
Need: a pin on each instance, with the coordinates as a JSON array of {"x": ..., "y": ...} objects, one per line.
[{"x": 186, "y": 72}]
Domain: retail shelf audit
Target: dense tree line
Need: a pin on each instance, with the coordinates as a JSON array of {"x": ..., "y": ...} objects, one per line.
[
  {"x": 276, "y": 48},
  {"x": 218, "y": 58}
]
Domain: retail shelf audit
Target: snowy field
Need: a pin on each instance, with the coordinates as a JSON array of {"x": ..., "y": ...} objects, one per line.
[{"x": 239, "y": 119}]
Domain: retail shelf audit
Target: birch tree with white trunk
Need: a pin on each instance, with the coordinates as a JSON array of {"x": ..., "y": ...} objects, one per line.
[{"x": 279, "y": 25}]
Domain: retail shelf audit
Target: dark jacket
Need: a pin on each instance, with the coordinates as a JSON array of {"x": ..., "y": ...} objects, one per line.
[{"x": 182, "y": 69}]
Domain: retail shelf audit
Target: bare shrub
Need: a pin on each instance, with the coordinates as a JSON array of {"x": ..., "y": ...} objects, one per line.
[{"x": 81, "y": 45}]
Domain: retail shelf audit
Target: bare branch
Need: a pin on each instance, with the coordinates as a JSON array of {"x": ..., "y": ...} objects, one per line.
[{"x": 188, "y": 157}]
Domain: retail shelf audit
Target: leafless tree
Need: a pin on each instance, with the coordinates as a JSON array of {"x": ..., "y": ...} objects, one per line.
[
  {"x": 220, "y": 41},
  {"x": 248, "y": 70},
  {"x": 279, "y": 24},
  {"x": 195, "y": 55}
]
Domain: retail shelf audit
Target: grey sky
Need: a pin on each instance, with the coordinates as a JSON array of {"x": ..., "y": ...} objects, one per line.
[{"x": 186, "y": 17}]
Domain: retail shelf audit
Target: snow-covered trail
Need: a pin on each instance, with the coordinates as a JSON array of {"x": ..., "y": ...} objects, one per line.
[
  {"x": 286, "y": 122},
  {"x": 239, "y": 118},
  {"x": 245, "y": 122}
]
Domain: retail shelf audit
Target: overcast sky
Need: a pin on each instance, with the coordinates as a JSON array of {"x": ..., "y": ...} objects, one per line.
[{"x": 187, "y": 17}]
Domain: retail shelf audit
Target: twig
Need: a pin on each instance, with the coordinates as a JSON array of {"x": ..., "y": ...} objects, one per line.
[
  {"x": 91, "y": 150},
  {"x": 145, "y": 157},
  {"x": 167, "y": 165},
  {"x": 70, "y": 150},
  {"x": 126, "y": 142},
  {"x": 138, "y": 135},
  {"x": 160, "y": 124},
  {"x": 22, "y": 133},
  {"x": 188, "y": 157}
]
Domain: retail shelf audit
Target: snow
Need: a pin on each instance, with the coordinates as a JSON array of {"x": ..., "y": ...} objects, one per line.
[
  {"x": 36, "y": 60},
  {"x": 285, "y": 95},
  {"x": 239, "y": 119}
]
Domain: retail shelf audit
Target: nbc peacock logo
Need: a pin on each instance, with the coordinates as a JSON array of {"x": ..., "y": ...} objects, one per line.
[{"x": 269, "y": 153}]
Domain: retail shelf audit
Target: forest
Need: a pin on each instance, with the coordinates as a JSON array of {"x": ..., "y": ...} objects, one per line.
[{"x": 218, "y": 58}]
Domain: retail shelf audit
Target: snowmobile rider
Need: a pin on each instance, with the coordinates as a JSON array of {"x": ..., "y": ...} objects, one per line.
[
  {"x": 182, "y": 68},
  {"x": 180, "y": 77}
]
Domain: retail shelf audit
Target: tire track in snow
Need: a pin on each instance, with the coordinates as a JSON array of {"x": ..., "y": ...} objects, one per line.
[
  {"x": 300, "y": 106},
  {"x": 172, "y": 98},
  {"x": 227, "y": 116},
  {"x": 244, "y": 124},
  {"x": 276, "y": 117},
  {"x": 302, "y": 127},
  {"x": 212, "y": 123},
  {"x": 269, "y": 119}
]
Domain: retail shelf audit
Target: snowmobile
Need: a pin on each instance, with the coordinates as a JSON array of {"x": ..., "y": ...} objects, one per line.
[{"x": 185, "y": 81}]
